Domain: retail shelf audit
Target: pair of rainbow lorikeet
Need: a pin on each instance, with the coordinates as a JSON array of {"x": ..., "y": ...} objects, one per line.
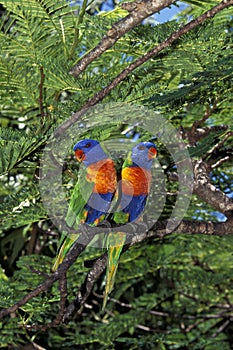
[{"x": 101, "y": 192}]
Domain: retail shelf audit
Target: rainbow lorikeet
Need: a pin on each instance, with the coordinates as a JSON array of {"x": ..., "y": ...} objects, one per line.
[
  {"x": 135, "y": 186},
  {"x": 92, "y": 195}
]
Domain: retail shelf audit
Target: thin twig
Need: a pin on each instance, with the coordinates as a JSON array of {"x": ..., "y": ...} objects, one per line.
[
  {"x": 99, "y": 96},
  {"x": 139, "y": 10},
  {"x": 197, "y": 123},
  {"x": 221, "y": 328},
  {"x": 220, "y": 143},
  {"x": 144, "y": 328},
  {"x": 194, "y": 325},
  {"x": 41, "y": 94},
  {"x": 201, "y": 133},
  {"x": 219, "y": 162}
]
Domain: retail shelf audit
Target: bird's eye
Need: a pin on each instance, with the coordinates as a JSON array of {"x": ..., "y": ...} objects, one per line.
[
  {"x": 141, "y": 148},
  {"x": 88, "y": 145}
]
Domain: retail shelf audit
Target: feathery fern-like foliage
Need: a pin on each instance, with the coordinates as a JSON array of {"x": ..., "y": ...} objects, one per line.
[{"x": 171, "y": 293}]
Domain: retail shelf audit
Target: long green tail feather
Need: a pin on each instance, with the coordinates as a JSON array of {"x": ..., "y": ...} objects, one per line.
[
  {"x": 115, "y": 243},
  {"x": 66, "y": 243}
]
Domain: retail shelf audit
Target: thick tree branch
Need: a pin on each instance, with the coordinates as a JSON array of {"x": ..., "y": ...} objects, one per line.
[
  {"x": 99, "y": 96},
  {"x": 139, "y": 10},
  {"x": 208, "y": 192},
  {"x": 140, "y": 233},
  {"x": 86, "y": 288},
  {"x": 136, "y": 233}
]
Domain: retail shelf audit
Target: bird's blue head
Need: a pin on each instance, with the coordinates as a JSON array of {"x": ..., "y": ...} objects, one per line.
[
  {"x": 143, "y": 154},
  {"x": 89, "y": 151}
]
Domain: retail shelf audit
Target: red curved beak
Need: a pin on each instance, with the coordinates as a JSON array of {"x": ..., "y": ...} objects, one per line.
[
  {"x": 152, "y": 153},
  {"x": 80, "y": 155}
]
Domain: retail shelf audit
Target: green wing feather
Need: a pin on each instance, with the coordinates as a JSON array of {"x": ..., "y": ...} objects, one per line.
[
  {"x": 128, "y": 161},
  {"x": 75, "y": 215},
  {"x": 79, "y": 197}
]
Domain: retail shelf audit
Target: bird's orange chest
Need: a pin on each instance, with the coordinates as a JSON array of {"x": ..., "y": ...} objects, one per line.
[
  {"x": 103, "y": 174},
  {"x": 136, "y": 181}
]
